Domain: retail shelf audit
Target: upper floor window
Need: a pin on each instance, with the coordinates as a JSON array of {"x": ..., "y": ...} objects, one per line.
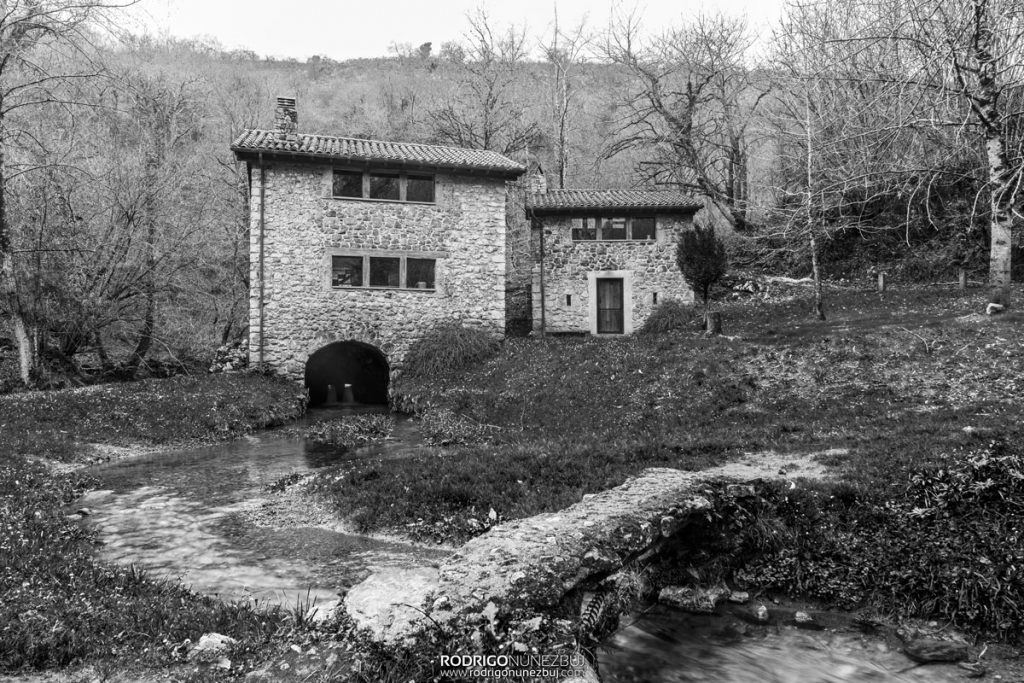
[
  {"x": 395, "y": 187},
  {"x": 637, "y": 229}
]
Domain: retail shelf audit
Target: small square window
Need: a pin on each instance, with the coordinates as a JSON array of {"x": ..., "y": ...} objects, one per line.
[
  {"x": 419, "y": 188},
  {"x": 347, "y": 271},
  {"x": 419, "y": 273},
  {"x": 586, "y": 231},
  {"x": 384, "y": 271},
  {"x": 644, "y": 229},
  {"x": 347, "y": 184},
  {"x": 613, "y": 229},
  {"x": 384, "y": 186}
]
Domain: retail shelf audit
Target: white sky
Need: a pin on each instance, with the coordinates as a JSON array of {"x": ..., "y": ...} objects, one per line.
[{"x": 344, "y": 29}]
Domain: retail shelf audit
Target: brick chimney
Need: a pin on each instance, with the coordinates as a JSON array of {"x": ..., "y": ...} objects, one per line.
[{"x": 286, "y": 119}]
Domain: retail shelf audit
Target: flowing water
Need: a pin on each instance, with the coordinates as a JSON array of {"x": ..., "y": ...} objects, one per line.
[
  {"x": 665, "y": 645},
  {"x": 183, "y": 514}
]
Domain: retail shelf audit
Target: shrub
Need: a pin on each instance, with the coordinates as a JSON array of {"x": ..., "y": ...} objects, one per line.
[
  {"x": 949, "y": 547},
  {"x": 701, "y": 258},
  {"x": 670, "y": 315},
  {"x": 449, "y": 348}
]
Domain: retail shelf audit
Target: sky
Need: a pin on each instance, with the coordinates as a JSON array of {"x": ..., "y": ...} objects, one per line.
[{"x": 346, "y": 29}]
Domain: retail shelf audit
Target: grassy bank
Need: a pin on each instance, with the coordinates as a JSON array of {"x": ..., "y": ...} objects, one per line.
[
  {"x": 908, "y": 396},
  {"x": 888, "y": 386},
  {"x": 60, "y": 605}
]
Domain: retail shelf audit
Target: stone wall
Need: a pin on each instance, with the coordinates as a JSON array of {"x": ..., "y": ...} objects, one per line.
[
  {"x": 648, "y": 268},
  {"x": 518, "y": 301},
  {"x": 303, "y": 224}
]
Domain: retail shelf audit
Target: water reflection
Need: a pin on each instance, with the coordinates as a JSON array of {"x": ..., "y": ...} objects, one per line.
[
  {"x": 180, "y": 514},
  {"x": 669, "y": 646}
]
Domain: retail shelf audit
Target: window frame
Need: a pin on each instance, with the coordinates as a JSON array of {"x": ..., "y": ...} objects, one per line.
[
  {"x": 366, "y": 254},
  {"x": 595, "y": 225},
  {"x": 403, "y": 184}
]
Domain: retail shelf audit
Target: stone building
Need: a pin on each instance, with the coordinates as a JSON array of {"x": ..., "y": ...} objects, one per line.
[
  {"x": 358, "y": 246},
  {"x": 604, "y": 258}
]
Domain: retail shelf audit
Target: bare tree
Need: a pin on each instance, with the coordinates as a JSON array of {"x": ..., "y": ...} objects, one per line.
[
  {"x": 977, "y": 48},
  {"x": 691, "y": 104},
  {"x": 487, "y": 111},
  {"x": 566, "y": 52},
  {"x": 35, "y": 39}
]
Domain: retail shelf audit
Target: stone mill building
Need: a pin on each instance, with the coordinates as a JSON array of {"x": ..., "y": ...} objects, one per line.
[{"x": 358, "y": 247}]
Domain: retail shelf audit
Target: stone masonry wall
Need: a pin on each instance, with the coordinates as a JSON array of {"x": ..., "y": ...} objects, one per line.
[
  {"x": 518, "y": 305},
  {"x": 652, "y": 266},
  {"x": 303, "y": 224}
]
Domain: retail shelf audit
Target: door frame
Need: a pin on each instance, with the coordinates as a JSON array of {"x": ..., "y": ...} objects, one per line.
[{"x": 627, "y": 299}]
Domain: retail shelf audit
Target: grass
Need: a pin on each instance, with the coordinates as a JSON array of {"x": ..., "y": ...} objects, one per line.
[
  {"x": 893, "y": 380},
  {"x": 60, "y": 605},
  {"x": 59, "y": 425}
]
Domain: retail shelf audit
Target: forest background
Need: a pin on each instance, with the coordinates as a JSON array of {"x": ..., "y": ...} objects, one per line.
[{"x": 849, "y": 138}]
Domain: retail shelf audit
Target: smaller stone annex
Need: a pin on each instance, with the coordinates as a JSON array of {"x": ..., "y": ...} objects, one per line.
[
  {"x": 358, "y": 247},
  {"x": 604, "y": 258}
]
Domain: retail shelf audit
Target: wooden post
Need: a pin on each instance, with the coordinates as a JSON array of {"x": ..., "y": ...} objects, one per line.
[
  {"x": 881, "y": 282},
  {"x": 963, "y": 280}
]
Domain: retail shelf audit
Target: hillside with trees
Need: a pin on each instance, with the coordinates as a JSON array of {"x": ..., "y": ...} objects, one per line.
[{"x": 854, "y": 135}]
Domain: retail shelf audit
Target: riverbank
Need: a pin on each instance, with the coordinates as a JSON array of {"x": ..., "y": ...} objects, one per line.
[
  {"x": 61, "y": 606},
  {"x": 911, "y": 399}
]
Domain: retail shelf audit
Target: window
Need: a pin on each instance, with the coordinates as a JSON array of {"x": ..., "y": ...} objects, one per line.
[
  {"x": 640, "y": 229},
  {"x": 378, "y": 268},
  {"x": 587, "y": 231},
  {"x": 384, "y": 271},
  {"x": 419, "y": 188},
  {"x": 419, "y": 273},
  {"x": 643, "y": 229},
  {"x": 348, "y": 184},
  {"x": 347, "y": 271},
  {"x": 394, "y": 187},
  {"x": 613, "y": 229},
  {"x": 384, "y": 187}
]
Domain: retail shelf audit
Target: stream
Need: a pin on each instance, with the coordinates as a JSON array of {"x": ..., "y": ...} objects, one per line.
[
  {"x": 666, "y": 645},
  {"x": 188, "y": 514}
]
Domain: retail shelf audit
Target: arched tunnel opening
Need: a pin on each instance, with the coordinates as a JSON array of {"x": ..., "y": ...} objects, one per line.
[{"x": 361, "y": 366}]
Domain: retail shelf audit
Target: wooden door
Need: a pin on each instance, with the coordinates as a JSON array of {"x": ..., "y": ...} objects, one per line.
[{"x": 610, "y": 306}]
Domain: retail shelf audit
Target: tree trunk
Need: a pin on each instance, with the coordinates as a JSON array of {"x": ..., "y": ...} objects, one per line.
[
  {"x": 819, "y": 309},
  {"x": 1000, "y": 176},
  {"x": 713, "y": 324},
  {"x": 8, "y": 284},
  {"x": 154, "y": 161},
  {"x": 1001, "y": 227}
]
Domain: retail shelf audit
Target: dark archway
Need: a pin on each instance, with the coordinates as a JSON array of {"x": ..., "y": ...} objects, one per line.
[{"x": 363, "y": 366}]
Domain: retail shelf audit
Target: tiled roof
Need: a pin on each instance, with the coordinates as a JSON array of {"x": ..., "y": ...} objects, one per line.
[
  {"x": 557, "y": 201},
  {"x": 359, "y": 150}
]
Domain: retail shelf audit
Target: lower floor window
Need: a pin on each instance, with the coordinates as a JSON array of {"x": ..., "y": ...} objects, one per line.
[{"x": 396, "y": 272}]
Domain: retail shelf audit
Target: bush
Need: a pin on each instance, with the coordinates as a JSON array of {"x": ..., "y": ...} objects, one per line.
[
  {"x": 448, "y": 349},
  {"x": 702, "y": 260},
  {"x": 670, "y": 315},
  {"x": 949, "y": 547}
]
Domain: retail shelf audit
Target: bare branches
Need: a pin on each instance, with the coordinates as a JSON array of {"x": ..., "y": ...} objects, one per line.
[
  {"x": 486, "y": 111},
  {"x": 691, "y": 105}
]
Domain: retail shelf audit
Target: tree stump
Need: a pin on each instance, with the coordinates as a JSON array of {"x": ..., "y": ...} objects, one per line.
[
  {"x": 963, "y": 280},
  {"x": 713, "y": 324}
]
